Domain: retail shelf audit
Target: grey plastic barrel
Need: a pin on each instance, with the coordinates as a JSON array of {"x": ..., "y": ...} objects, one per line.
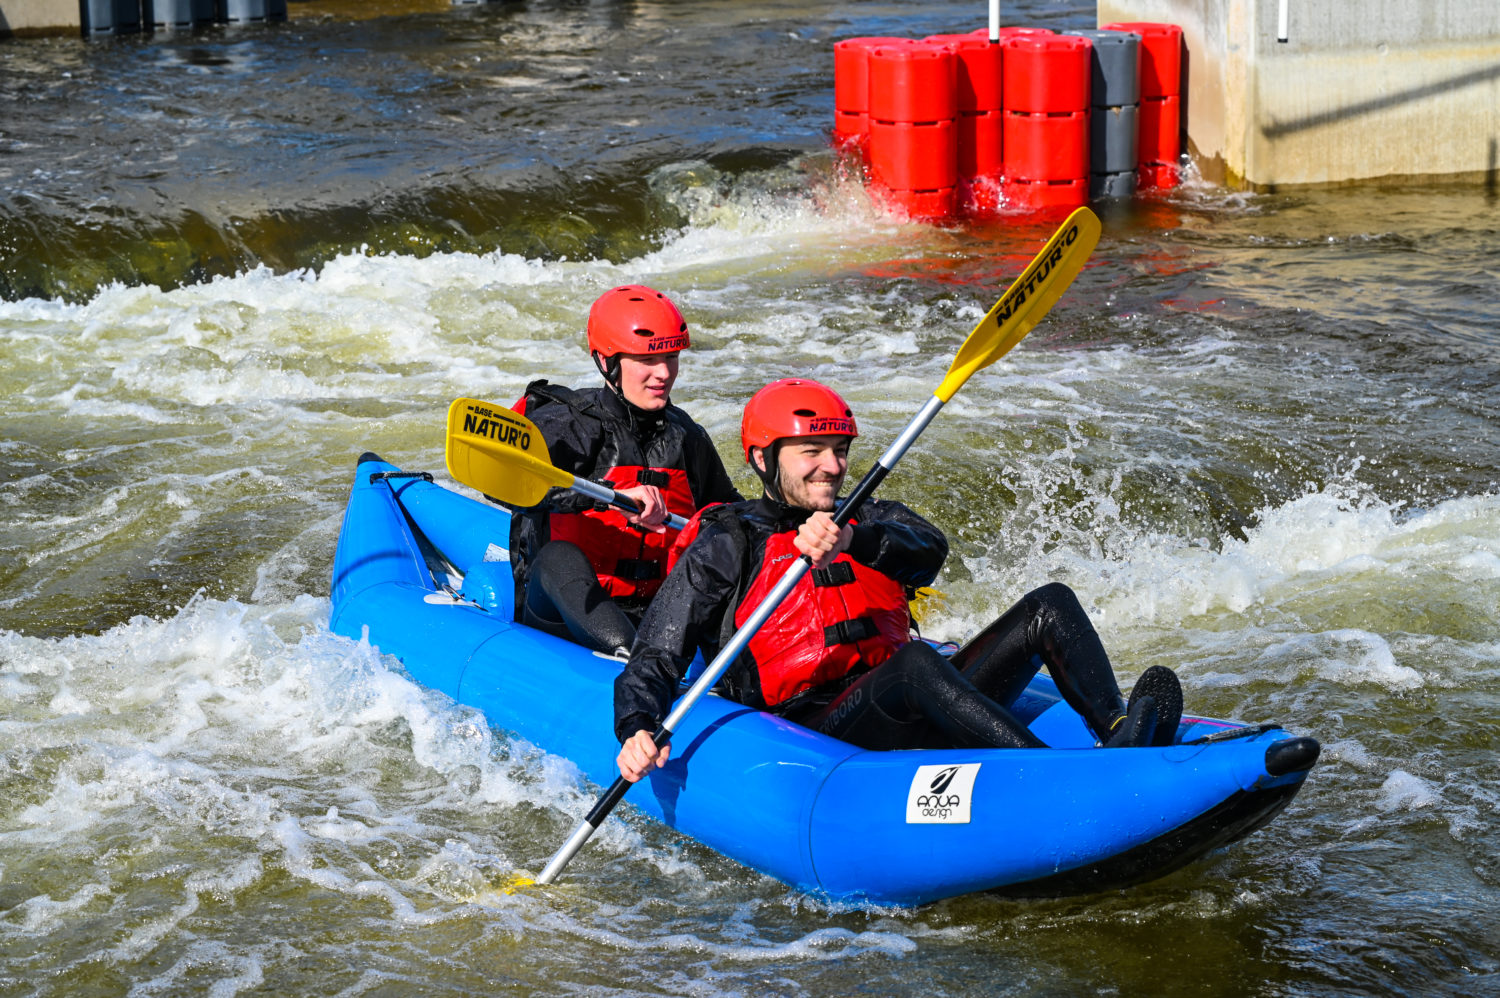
[
  {"x": 110, "y": 17},
  {"x": 1112, "y": 185},
  {"x": 180, "y": 13},
  {"x": 1114, "y": 138},
  {"x": 236, "y": 11},
  {"x": 1115, "y": 67}
]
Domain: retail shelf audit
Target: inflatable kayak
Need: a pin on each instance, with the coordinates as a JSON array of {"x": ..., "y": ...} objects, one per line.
[{"x": 422, "y": 572}]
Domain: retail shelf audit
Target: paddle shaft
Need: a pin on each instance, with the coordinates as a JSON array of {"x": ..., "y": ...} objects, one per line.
[
  {"x": 608, "y": 495},
  {"x": 731, "y": 651}
]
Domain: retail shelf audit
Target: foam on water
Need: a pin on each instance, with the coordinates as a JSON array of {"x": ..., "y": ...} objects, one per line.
[{"x": 229, "y": 754}]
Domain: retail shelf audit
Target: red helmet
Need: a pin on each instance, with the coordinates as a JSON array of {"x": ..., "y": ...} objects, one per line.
[
  {"x": 635, "y": 319},
  {"x": 794, "y": 407}
]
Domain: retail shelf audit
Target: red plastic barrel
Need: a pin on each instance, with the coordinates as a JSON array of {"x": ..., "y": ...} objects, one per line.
[
  {"x": 851, "y": 86},
  {"x": 1160, "y": 130},
  {"x": 912, "y": 82},
  {"x": 1161, "y": 56},
  {"x": 922, "y": 206},
  {"x": 981, "y": 144},
  {"x": 851, "y": 76},
  {"x": 916, "y": 156},
  {"x": 1043, "y": 73},
  {"x": 981, "y": 197},
  {"x": 978, "y": 70},
  {"x": 1150, "y": 176},
  {"x": 1012, "y": 31},
  {"x": 1046, "y": 146},
  {"x": 1033, "y": 195}
]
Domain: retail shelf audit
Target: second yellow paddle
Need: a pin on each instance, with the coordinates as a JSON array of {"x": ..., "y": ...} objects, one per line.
[{"x": 502, "y": 454}]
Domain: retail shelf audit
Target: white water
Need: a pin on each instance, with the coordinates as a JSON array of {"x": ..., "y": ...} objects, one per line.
[{"x": 220, "y": 796}]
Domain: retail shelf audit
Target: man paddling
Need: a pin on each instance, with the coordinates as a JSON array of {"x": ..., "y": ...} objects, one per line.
[
  {"x": 837, "y": 655},
  {"x": 583, "y": 570}
]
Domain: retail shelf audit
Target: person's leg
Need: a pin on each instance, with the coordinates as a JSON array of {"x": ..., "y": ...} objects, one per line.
[
  {"x": 564, "y": 598},
  {"x": 914, "y": 699},
  {"x": 1048, "y": 626}
]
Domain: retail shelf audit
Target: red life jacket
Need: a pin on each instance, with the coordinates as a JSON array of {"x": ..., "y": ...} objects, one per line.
[
  {"x": 834, "y": 619},
  {"x": 628, "y": 560}
]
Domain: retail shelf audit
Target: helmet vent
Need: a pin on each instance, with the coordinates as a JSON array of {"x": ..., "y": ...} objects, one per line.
[{"x": 804, "y": 412}]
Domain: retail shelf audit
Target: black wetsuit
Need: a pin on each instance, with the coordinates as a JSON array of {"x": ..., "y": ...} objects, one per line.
[{"x": 588, "y": 432}]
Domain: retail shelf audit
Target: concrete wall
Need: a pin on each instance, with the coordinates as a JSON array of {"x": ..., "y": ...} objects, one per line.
[
  {"x": 1361, "y": 89},
  {"x": 39, "y": 17}
]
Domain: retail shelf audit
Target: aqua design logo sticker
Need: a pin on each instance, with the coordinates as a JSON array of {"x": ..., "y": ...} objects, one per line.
[{"x": 940, "y": 795}]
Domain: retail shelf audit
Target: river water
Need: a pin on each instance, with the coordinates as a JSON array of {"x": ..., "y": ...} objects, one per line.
[{"x": 1258, "y": 436}]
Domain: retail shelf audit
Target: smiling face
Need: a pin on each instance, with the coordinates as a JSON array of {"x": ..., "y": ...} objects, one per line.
[
  {"x": 810, "y": 470},
  {"x": 646, "y": 379}
]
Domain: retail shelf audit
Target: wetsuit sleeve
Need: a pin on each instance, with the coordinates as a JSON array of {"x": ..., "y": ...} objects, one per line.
[
  {"x": 573, "y": 444},
  {"x": 685, "y": 617},
  {"x": 896, "y": 542},
  {"x": 709, "y": 480}
]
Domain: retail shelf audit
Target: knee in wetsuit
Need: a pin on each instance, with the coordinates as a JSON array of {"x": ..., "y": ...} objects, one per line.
[
  {"x": 564, "y": 599},
  {"x": 917, "y": 699}
]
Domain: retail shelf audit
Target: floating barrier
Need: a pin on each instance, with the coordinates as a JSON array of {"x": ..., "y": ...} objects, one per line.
[
  {"x": 1046, "y": 132},
  {"x": 978, "y": 123},
  {"x": 913, "y": 148},
  {"x": 851, "y": 87},
  {"x": 1161, "y": 100},
  {"x": 110, "y": 17},
  {"x": 1114, "y": 112},
  {"x": 120, "y": 17},
  {"x": 958, "y": 124}
]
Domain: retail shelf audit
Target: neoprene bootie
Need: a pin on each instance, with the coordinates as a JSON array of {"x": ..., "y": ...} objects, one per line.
[{"x": 1154, "y": 712}]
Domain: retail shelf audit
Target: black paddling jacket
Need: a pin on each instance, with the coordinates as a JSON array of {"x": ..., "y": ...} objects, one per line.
[
  {"x": 594, "y": 434},
  {"x": 695, "y": 607}
]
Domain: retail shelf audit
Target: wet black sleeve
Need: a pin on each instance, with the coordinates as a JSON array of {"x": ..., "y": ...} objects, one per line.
[
  {"x": 706, "y": 474},
  {"x": 685, "y": 616},
  {"x": 573, "y": 444},
  {"x": 896, "y": 542}
]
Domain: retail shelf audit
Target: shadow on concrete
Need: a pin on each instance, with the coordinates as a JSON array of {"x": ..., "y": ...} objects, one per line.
[{"x": 1468, "y": 79}]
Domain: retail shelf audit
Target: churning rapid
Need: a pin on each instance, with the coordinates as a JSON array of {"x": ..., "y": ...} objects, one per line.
[{"x": 1258, "y": 436}]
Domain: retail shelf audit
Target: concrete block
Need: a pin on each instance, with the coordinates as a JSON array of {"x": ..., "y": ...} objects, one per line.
[{"x": 1361, "y": 89}]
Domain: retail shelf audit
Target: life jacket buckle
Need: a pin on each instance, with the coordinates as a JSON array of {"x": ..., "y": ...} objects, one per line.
[
  {"x": 840, "y": 573},
  {"x": 848, "y": 632}
]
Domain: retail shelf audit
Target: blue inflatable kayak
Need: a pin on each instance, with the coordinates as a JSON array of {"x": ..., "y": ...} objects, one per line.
[{"x": 422, "y": 572}]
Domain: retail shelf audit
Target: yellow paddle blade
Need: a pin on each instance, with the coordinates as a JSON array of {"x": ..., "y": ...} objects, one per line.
[
  {"x": 512, "y": 884},
  {"x": 926, "y": 602},
  {"x": 1025, "y": 303},
  {"x": 501, "y": 453}
]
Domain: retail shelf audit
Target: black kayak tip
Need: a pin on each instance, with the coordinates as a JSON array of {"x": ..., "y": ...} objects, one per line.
[
  {"x": 1292, "y": 755},
  {"x": 369, "y": 455}
]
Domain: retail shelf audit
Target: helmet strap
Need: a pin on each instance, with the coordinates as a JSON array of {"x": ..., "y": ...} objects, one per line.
[
  {"x": 770, "y": 478},
  {"x": 610, "y": 368}
]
